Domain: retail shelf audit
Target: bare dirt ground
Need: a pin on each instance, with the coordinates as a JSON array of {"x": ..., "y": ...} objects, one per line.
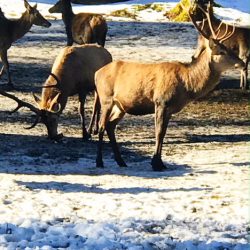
[{"x": 217, "y": 121}]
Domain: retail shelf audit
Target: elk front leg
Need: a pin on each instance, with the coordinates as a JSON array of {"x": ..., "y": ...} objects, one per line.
[
  {"x": 161, "y": 123},
  {"x": 243, "y": 76},
  {"x": 5, "y": 66},
  {"x": 85, "y": 134}
]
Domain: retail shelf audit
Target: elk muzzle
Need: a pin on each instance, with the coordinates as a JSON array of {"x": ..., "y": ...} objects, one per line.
[
  {"x": 46, "y": 24},
  {"x": 50, "y": 120},
  {"x": 42, "y": 22}
]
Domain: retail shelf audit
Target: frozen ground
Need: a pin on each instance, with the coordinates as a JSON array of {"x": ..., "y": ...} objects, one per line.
[
  {"x": 53, "y": 197},
  {"x": 236, "y": 12}
]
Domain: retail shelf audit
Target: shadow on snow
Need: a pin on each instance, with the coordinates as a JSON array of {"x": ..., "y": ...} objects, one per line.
[{"x": 67, "y": 187}]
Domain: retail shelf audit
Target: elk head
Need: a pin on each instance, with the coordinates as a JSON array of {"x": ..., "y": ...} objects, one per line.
[
  {"x": 49, "y": 116},
  {"x": 35, "y": 16},
  {"x": 221, "y": 56},
  {"x": 50, "y": 108},
  {"x": 57, "y": 8}
]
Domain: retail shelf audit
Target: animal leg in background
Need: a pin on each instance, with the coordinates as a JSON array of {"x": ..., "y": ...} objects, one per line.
[
  {"x": 5, "y": 66},
  {"x": 85, "y": 134},
  {"x": 95, "y": 116},
  {"x": 244, "y": 75}
]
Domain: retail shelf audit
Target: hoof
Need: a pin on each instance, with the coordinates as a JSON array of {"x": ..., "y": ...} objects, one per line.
[
  {"x": 157, "y": 164},
  {"x": 99, "y": 163},
  {"x": 95, "y": 132},
  {"x": 121, "y": 163},
  {"x": 56, "y": 138},
  {"x": 86, "y": 136}
]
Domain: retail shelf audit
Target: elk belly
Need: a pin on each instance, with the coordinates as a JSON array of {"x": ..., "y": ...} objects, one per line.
[
  {"x": 140, "y": 109},
  {"x": 137, "y": 106}
]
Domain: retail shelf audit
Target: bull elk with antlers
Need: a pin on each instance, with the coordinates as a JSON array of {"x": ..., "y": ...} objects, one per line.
[
  {"x": 161, "y": 88},
  {"x": 239, "y": 41},
  {"x": 72, "y": 73},
  {"x": 12, "y": 30},
  {"x": 81, "y": 28}
]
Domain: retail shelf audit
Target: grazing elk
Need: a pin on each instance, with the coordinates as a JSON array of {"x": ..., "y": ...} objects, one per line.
[
  {"x": 239, "y": 42},
  {"x": 72, "y": 73},
  {"x": 81, "y": 28},
  {"x": 160, "y": 88},
  {"x": 12, "y": 30}
]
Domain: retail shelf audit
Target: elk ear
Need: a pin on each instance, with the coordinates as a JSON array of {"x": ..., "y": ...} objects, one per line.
[
  {"x": 26, "y": 4},
  {"x": 54, "y": 105},
  {"x": 35, "y": 6}
]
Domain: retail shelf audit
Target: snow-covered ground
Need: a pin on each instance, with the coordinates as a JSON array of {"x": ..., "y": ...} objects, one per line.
[
  {"x": 51, "y": 200},
  {"x": 233, "y": 11}
]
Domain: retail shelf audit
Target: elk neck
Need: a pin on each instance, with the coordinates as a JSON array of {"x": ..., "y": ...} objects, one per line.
[
  {"x": 50, "y": 90},
  {"x": 67, "y": 12},
  {"x": 21, "y": 26},
  {"x": 200, "y": 77}
]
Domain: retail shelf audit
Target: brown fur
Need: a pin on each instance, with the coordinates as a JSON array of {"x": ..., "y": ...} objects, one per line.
[
  {"x": 239, "y": 42},
  {"x": 12, "y": 30},
  {"x": 74, "y": 67},
  {"x": 160, "y": 88},
  {"x": 81, "y": 28}
]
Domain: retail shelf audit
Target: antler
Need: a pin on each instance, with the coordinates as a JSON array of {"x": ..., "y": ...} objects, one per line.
[
  {"x": 194, "y": 22},
  {"x": 21, "y": 104},
  {"x": 216, "y": 33}
]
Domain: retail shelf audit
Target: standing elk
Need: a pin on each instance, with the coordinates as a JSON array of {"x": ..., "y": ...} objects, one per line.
[
  {"x": 81, "y": 28},
  {"x": 12, "y": 30},
  {"x": 161, "y": 88},
  {"x": 239, "y": 42},
  {"x": 72, "y": 73}
]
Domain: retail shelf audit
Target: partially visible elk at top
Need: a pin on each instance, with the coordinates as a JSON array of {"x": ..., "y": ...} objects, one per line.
[
  {"x": 239, "y": 42},
  {"x": 81, "y": 28},
  {"x": 12, "y": 30},
  {"x": 161, "y": 88},
  {"x": 72, "y": 74}
]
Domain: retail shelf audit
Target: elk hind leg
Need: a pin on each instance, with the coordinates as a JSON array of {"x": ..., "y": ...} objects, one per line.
[
  {"x": 115, "y": 117},
  {"x": 106, "y": 107}
]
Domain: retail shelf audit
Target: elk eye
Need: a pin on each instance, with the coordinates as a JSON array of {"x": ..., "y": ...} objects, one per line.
[{"x": 222, "y": 53}]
